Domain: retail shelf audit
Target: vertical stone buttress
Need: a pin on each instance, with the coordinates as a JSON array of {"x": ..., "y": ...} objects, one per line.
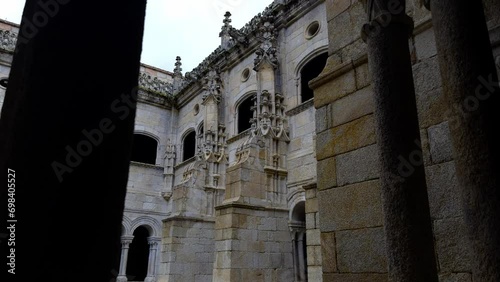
[
  {"x": 252, "y": 238},
  {"x": 407, "y": 225},
  {"x": 189, "y": 231},
  {"x": 470, "y": 86}
]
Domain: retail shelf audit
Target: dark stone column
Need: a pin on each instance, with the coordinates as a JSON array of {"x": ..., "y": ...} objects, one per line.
[
  {"x": 471, "y": 89},
  {"x": 407, "y": 221},
  {"x": 66, "y": 130}
]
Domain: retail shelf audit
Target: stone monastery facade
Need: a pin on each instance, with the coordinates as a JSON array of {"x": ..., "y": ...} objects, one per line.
[{"x": 262, "y": 163}]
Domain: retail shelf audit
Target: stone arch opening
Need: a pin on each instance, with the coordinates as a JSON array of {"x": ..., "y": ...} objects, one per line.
[
  {"x": 308, "y": 72},
  {"x": 138, "y": 255},
  {"x": 189, "y": 145},
  {"x": 144, "y": 149},
  {"x": 298, "y": 229},
  {"x": 245, "y": 114}
]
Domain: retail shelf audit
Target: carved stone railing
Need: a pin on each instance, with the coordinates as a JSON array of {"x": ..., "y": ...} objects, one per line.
[{"x": 8, "y": 40}]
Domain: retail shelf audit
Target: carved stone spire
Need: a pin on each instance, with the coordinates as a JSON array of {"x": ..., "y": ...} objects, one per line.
[
  {"x": 177, "y": 74},
  {"x": 178, "y": 69},
  {"x": 226, "y": 41},
  {"x": 267, "y": 35}
]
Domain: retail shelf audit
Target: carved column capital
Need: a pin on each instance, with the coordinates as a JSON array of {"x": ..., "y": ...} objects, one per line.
[{"x": 126, "y": 240}]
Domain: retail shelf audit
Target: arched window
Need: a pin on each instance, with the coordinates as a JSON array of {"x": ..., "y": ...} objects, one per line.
[
  {"x": 245, "y": 114},
  {"x": 189, "y": 145},
  {"x": 310, "y": 71},
  {"x": 138, "y": 255},
  {"x": 144, "y": 149}
]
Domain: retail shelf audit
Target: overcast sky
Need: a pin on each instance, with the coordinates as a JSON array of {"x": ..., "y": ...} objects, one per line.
[{"x": 187, "y": 28}]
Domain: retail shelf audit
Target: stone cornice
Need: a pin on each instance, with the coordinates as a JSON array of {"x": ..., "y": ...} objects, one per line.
[
  {"x": 184, "y": 163},
  {"x": 238, "y": 136},
  {"x": 155, "y": 98},
  {"x": 146, "y": 165},
  {"x": 179, "y": 217},
  {"x": 301, "y": 108},
  {"x": 143, "y": 212},
  {"x": 249, "y": 207},
  {"x": 337, "y": 71}
]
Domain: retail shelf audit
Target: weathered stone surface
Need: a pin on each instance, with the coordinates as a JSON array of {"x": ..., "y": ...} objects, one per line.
[
  {"x": 313, "y": 237},
  {"x": 440, "y": 144},
  {"x": 334, "y": 8},
  {"x": 323, "y": 118},
  {"x": 426, "y": 75},
  {"x": 357, "y": 166},
  {"x": 346, "y": 137},
  {"x": 361, "y": 250},
  {"x": 314, "y": 255},
  {"x": 354, "y": 277},
  {"x": 452, "y": 245},
  {"x": 425, "y": 44},
  {"x": 327, "y": 167},
  {"x": 328, "y": 252},
  {"x": 455, "y": 277},
  {"x": 314, "y": 273},
  {"x": 351, "y": 207},
  {"x": 353, "y": 106},
  {"x": 442, "y": 187},
  {"x": 335, "y": 89},
  {"x": 431, "y": 107}
]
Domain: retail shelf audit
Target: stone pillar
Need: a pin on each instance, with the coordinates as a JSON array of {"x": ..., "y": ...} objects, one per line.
[
  {"x": 47, "y": 119},
  {"x": 122, "y": 275},
  {"x": 471, "y": 89},
  {"x": 153, "y": 245},
  {"x": 407, "y": 224},
  {"x": 295, "y": 257},
  {"x": 301, "y": 256}
]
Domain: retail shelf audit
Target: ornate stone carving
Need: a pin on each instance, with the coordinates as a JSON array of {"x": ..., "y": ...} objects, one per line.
[
  {"x": 271, "y": 119},
  {"x": 267, "y": 35},
  {"x": 154, "y": 84},
  {"x": 169, "y": 150},
  {"x": 8, "y": 40},
  {"x": 178, "y": 69},
  {"x": 212, "y": 83}
]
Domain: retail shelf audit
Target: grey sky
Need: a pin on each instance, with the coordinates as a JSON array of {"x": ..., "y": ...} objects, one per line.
[{"x": 188, "y": 28}]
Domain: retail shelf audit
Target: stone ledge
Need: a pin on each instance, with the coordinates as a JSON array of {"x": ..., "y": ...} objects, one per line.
[
  {"x": 184, "y": 163},
  {"x": 248, "y": 206},
  {"x": 239, "y": 136},
  {"x": 344, "y": 68},
  {"x": 146, "y": 165},
  {"x": 301, "y": 108},
  {"x": 179, "y": 217}
]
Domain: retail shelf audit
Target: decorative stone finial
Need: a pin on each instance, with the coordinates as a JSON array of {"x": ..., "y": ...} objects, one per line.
[
  {"x": 227, "y": 20},
  {"x": 226, "y": 41},
  {"x": 178, "y": 64}
]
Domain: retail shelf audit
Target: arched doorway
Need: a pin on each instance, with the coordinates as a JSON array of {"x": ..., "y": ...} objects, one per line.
[
  {"x": 138, "y": 256},
  {"x": 298, "y": 229}
]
